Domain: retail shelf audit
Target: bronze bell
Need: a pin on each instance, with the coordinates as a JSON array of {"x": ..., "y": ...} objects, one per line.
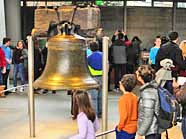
[{"x": 66, "y": 67}]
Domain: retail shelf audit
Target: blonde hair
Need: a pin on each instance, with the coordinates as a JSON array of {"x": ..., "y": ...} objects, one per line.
[{"x": 183, "y": 47}]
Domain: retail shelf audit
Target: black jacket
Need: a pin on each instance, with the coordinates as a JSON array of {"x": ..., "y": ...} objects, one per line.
[
  {"x": 171, "y": 51},
  {"x": 17, "y": 54}
]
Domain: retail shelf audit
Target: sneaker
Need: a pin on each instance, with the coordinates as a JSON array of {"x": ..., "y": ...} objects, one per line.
[
  {"x": 14, "y": 90},
  {"x": 53, "y": 91},
  {"x": 45, "y": 91},
  {"x": 22, "y": 89}
]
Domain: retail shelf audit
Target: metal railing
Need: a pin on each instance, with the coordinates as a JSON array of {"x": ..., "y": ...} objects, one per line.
[
  {"x": 25, "y": 85},
  {"x": 105, "y": 133}
]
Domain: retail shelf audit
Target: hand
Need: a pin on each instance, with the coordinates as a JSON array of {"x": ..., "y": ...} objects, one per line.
[
  {"x": 175, "y": 83},
  {"x": 21, "y": 57},
  {"x": 139, "y": 136},
  {"x": 116, "y": 33},
  {"x": 4, "y": 70},
  {"x": 8, "y": 61},
  {"x": 124, "y": 33}
]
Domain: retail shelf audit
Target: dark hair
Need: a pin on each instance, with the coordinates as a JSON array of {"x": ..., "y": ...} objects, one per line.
[
  {"x": 94, "y": 46},
  {"x": 82, "y": 102},
  {"x": 6, "y": 39},
  {"x": 136, "y": 38},
  {"x": 158, "y": 37},
  {"x": 164, "y": 40},
  {"x": 146, "y": 72},
  {"x": 129, "y": 82},
  {"x": 120, "y": 36},
  {"x": 173, "y": 35}
]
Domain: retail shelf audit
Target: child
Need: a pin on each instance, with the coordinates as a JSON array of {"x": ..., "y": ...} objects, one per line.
[
  {"x": 127, "y": 104},
  {"x": 95, "y": 68},
  {"x": 86, "y": 117}
]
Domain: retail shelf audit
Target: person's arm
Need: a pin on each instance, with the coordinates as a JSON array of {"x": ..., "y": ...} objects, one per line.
[
  {"x": 82, "y": 127},
  {"x": 151, "y": 55},
  {"x": 125, "y": 36},
  {"x": 113, "y": 38},
  {"x": 146, "y": 115},
  {"x": 122, "y": 114},
  {"x": 12, "y": 47},
  {"x": 24, "y": 54},
  {"x": 3, "y": 59},
  {"x": 158, "y": 59},
  {"x": 96, "y": 124},
  {"x": 179, "y": 60}
]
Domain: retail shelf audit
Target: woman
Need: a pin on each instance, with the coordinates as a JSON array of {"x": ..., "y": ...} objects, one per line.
[
  {"x": 18, "y": 60},
  {"x": 182, "y": 73}
]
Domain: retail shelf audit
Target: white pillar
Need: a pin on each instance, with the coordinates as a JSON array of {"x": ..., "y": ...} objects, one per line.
[
  {"x": 13, "y": 19},
  {"x": 2, "y": 21},
  {"x": 105, "y": 86},
  {"x": 31, "y": 99}
]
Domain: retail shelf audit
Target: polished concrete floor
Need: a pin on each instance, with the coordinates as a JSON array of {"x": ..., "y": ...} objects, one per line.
[{"x": 53, "y": 119}]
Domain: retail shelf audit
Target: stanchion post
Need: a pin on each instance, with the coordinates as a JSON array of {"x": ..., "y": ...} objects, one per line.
[
  {"x": 105, "y": 86},
  {"x": 31, "y": 103}
]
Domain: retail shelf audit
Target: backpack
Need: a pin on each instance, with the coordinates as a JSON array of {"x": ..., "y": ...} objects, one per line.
[{"x": 170, "y": 110}]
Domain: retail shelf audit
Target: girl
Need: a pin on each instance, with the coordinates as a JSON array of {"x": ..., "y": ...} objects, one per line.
[{"x": 86, "y": 117}]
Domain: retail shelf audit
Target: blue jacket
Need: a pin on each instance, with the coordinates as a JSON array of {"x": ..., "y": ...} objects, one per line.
[{"x": 95, "y": 63}]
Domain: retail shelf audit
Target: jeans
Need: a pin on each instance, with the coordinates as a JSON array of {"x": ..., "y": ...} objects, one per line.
[
  {"x": 153, "y": 136},
  {"x": 18, "y": 68},
  {"x": 1, "y": 77},
  {"x": 5, "y": 78},
  {"x": 183, "y": 127},
  {"x": 124, "y": 135},
  {"x": 96, "y": 96}
]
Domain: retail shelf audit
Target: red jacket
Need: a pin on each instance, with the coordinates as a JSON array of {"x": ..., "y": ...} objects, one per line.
[{"x": 2, "y": 59}]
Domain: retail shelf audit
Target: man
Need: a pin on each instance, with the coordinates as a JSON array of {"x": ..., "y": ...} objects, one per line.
[
  {"x": 171, "y": 50},
  {"x": 154, "y": 51},
  {"x": 8, "y": 56},
  {"x": 119, "y": 59}
]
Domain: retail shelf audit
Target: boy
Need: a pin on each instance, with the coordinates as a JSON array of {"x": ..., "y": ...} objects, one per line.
[{"x": 127, "y": 105}]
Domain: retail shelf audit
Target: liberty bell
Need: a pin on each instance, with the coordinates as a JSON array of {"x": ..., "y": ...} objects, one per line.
[{"x": 66, "y": 67}]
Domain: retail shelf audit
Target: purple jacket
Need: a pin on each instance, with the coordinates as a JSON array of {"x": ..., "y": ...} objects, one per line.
[{"x": 86, "y": 128}]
